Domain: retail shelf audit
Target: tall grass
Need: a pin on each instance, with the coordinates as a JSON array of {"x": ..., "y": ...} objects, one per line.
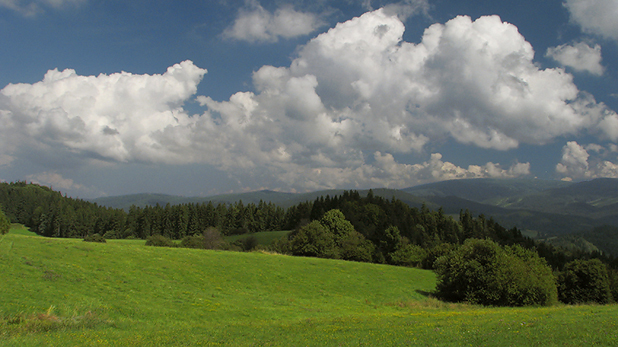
[{"x": 59, "y": 292}]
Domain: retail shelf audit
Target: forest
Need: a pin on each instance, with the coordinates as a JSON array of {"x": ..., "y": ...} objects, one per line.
[{"x": 347, "y": 226}]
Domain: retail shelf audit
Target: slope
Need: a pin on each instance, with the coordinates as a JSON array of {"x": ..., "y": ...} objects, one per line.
[{"x": 59, "y": 292}]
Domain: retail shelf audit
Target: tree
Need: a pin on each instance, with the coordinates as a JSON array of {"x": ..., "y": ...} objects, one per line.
[
  {"x": 313, "y": 240},
  {"x": 334, "y": 221},
  {"x": 5, "y": 224},
  {"x": 356, "y": 247},
  {"x": 584, "y": 281},
  {"x": 482, "y": 272},
  {"x": 213, "y": 238}
]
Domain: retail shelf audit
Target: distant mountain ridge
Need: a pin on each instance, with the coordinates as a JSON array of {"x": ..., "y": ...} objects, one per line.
[{"x": 540, "y": 208}]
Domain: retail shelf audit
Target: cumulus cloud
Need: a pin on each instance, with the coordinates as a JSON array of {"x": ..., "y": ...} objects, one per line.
[
  {"x": 403, "y": 9},
  {"x": 580, "y": 57},
  {"x": 352, "y": 99},
  {"x": 577, "y": 162},
  {"x": 57, "y": 182},
  {"x": 255, "y": 24},
  {"x": 595, "y": 16},
  {"x": 34, "y": 7},
  {"x": 116, "y": 117}
]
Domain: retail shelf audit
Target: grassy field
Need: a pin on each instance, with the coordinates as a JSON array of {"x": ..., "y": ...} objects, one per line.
[{"x": 66, "y": 292}]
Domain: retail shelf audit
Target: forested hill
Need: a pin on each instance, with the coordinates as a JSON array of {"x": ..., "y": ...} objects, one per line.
[
  {"x": 48, "y": 213},
  {"x": 389, "y": 228}
]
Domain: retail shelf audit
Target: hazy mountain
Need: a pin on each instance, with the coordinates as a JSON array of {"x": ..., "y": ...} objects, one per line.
[
  {"x": 597, "y": 199},
  {"x": 486, "y": 190},
  {"x": 540, "y": 208}
]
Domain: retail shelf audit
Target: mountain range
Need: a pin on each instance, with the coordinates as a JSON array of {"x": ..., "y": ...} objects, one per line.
[{"x": 543, "y": 209}]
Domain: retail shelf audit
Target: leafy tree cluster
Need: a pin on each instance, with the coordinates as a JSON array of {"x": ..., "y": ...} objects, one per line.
[
  {"x": 399, "y": 234},
  {"x": 483, "y": 272},
  {"x": 502, "y": 266}
]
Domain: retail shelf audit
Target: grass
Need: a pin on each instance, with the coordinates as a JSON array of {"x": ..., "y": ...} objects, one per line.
[
  {"x": 21, "y": 230},
  {"x": 58, "y": 292}
]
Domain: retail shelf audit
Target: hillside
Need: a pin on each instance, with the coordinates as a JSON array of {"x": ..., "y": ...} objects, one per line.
[
  {"x": 124, "y": 293},
  {"x": 595, "y": 199},
  {"x": 485, "y": 190}
]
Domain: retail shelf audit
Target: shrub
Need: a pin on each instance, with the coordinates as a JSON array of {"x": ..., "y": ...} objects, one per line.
[
  {"x": 584, "y": 281},
  {"x": 193, "y": 241},
  {"x": 94, "y": 238},
  {"x": 281, "y": 246},
  {"x": 313, "y": 240},
  {"x": 213, "y": 239},
  {"x": 5, "y": 224},
  {"x": 436, "y": 252},
  {"x": 482, "y": 272},
  {"x": 158, "y": 240},
  {"x": 356, "y": 247},
  {"x": 249, "y": 243},
  {"x": 407, "y": 254}
]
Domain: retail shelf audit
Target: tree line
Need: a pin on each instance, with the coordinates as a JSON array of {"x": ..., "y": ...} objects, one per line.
[{"x": 49, "y": 213}]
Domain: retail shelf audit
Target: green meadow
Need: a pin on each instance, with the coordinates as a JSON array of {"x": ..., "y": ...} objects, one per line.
[{"x": 66, "y": 292}]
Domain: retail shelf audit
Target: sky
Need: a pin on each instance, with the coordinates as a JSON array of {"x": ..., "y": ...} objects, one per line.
[{"x": 198, "y": 98}]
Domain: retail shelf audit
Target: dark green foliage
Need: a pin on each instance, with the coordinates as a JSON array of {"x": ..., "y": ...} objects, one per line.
[
  {"x": 5, "y": 224},
  {"x": 407, "y": 254},
  {"x": 193, "y": 241},
  {"x": 584, "y": 281},
  {"x": 95, "y": 238},
  {"x": 436, "y": 252},
  {"x": 249, "y": 243},
  {"x": 356, "y": 247},
  {"x": 48, "y": 213},
  {"x": 314, "y": 240},
  {"x": 334, "y": 221},
  {"x": 612, "y": 275},
  {"x": 158, "y": 240},
  {"x": 483, "y": 272}
]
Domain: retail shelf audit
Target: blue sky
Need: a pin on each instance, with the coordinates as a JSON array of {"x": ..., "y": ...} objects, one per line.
[{"x": 209, "y": 97}]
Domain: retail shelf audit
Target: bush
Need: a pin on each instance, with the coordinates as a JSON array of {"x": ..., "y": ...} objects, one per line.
[
  {"x": 436, "y": 252},
  {"x": 193, "y": 241},
  {"x": 158, "y": 240},
  {"x": 213, "y": 239},
  {"x": 249, "y": 243},
  {"x": 407, "y": 254},
  {"x": 313, "y": 240},
  {"x": 482, "y": 272},
  {"x": 94, "y": 238},
  {"x": 584, "y": 281},
  {"x": 281, "y": 246},
  {"x": 5, "y": 224},
  {"x": 356, "y": 247}
]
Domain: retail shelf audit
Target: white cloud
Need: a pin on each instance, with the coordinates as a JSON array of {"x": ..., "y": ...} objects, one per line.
[
  {"x": 116, "y": 117},
  {"x": 577, "y": 163},
  {"x": 59, "y": 183},
  {"x": 595, "y": 16},
  {"x": 34, "y": 7},
  {"x": 353, "y": 98},
  {"x": 580, "y": 57},
  {"x": 255, "y": 24}
]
